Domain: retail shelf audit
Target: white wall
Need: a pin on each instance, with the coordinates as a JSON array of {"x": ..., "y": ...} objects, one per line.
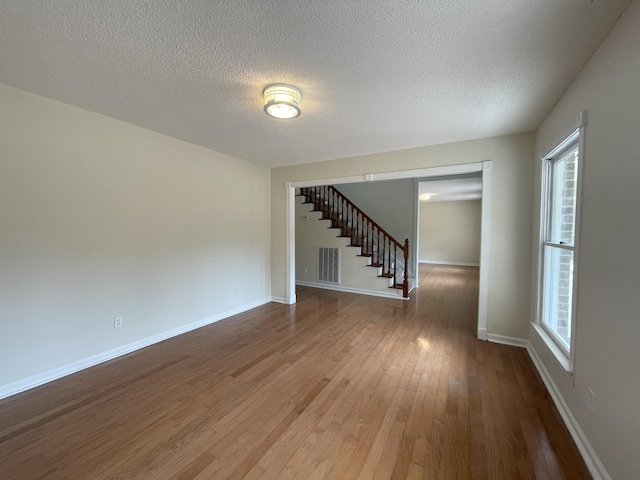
[
  {"x": 389, "y": 203},
  {"x": 449, "y": 232},
  {"x": 100, "y": 219},
  {"x": 511, "y": 207},
  {"x": 608, "y": 319}
]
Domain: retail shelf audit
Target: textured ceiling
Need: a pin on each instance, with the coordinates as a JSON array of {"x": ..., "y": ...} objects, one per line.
[{"x": 376, "y": 75}]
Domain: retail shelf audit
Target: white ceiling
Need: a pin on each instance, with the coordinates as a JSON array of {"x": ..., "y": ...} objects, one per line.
[
  {"x": 376, "y": 75},
  {"x": 464, "y": 188}
]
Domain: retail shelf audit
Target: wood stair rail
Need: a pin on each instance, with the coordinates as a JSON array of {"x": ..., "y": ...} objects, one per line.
[{"x": 364, "y": 232}]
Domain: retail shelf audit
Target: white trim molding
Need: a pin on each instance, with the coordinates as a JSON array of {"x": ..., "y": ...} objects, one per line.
[
  {"x": 46, "y": 377},
  {"x": 595, "y": 466},
  {"x": 290, "y": 243},
  {"x": 558, "y": 354},
  {"x": 341, "y": 288},
  {"x": 511, "y": 341},
  {"x": 485, "y": 244},
  {"x": 581, "y": 121},
  {"x": 279, "y": 300},
  {"x": 482, "y": 333},
  {"x": 415, "y": 235},
  {"x": 459, "y": 264},
  {"x": 575, "y": 134}
]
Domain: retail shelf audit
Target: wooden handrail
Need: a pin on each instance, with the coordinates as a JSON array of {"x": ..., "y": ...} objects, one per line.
[
  {"x": 363, "y": 230},
  {"x": 332, "y": 189}
]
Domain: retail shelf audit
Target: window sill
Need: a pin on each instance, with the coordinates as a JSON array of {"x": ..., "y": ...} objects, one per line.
[{"x": 558, "y": 354}]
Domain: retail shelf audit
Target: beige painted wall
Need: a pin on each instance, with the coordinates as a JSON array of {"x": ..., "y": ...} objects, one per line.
[
  {"x": 608, "y": 326},
  {"x": 511, "y": 207},
  {"x": 100, "y": 219},
  {"x": 450, "y": 231}
]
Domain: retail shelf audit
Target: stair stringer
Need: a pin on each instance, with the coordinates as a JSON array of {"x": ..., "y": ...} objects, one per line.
[{"x": 355, "y": 273}]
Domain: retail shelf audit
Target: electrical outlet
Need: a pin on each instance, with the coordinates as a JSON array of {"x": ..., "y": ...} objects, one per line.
[
  {"x": 305, "y": 218},
  {"x": 306, "y": 270},
  {"x": 117, "y": 322},
  {"x": 591, "y": 400}
]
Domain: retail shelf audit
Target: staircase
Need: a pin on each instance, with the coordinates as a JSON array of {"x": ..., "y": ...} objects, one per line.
[{"x": 384, "y": 252}]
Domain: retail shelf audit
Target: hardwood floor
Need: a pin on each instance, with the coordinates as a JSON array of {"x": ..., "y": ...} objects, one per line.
[{"x": 339, "y": 386}]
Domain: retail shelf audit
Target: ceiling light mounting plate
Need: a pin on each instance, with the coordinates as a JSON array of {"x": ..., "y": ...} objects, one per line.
[{"x": 282, "y": 100}]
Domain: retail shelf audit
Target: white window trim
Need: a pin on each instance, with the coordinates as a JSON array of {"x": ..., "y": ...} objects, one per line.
[
  {"x": 547, "y": 198},
  {"x": 565, "y": 359}
]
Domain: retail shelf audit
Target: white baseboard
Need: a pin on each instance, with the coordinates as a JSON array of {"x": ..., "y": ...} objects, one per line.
[
  {"x": 595, "y": 466},
  {"x": 341, "y": 288},
  {"x": 504, "y": 340},
  {"x": 459, "y": 264},
  {"x": 46, "y": 377},
  {"x": 279, "y": 300},
  {"x": 482, "y": 333}
]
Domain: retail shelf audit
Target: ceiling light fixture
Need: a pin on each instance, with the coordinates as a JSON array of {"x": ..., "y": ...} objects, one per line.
[
  {"x": 426, "y": 196},
  {"x": 282, "y": 100}
]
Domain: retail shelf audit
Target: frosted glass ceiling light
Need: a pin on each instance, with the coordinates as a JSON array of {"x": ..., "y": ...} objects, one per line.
[
  {"x": 426, "y": 196},
  {"x": 282, "y": 100}
]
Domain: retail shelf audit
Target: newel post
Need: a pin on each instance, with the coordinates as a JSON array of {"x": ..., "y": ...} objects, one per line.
[{"x": 405, "y": 283}]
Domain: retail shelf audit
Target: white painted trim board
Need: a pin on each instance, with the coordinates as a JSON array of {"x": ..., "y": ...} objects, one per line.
[
  {"x": 485, "y": 244},
  {"x": 504, "y": 340},
  {"x": 459, "y": 264},
  {"x": 279, "y": 300},
  {"x": 341, "y": 288},
  {"x": 33, "y": 381}
]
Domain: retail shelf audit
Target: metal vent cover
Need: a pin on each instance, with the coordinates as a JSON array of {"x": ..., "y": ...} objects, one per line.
[{"x": 329, "y": 264}]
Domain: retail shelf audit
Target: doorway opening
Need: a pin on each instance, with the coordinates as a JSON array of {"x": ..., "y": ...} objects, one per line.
[{"x": 481, "y": 169}]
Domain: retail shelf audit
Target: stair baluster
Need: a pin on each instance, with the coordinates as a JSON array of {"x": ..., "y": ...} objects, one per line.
[
  {"x": 388, "y": 269},
  {"x": 395, "y": 255}
]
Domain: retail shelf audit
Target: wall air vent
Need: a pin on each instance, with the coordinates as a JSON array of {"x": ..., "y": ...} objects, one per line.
[{"x": 329, "y": 264}]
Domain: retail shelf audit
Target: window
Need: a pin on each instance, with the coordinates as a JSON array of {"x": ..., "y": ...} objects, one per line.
[{"x": 558, "y": 236}]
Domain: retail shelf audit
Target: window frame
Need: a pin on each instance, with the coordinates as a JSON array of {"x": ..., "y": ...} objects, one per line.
[{"x": 565, "y": 356}]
